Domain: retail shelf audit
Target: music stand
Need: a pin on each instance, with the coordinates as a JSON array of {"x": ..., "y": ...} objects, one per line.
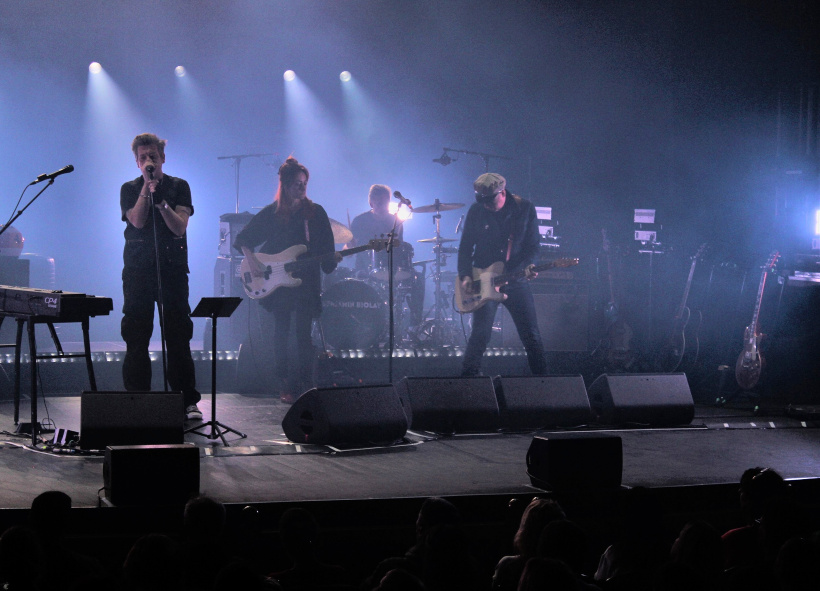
[{"x": 214, "y": 308}]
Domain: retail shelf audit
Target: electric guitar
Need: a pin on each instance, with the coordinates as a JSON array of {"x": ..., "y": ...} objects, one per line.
[
  {"x": 488, "y": 281},
  {"x": 279, "y": 267},
  {"x": 675, "y": 348},
  {"x": 619, "y": 334},
  {"x": 750, "y": 362}
]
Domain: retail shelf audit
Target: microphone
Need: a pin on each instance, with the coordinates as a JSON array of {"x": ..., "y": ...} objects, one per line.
[
  {"x": 403, "y": 199},
  {"x": 444, "y": 160},
  {"x": 53, "y": 175},
  {"x": 458, "y": 225},
  {"x": 150, "y": 168}
]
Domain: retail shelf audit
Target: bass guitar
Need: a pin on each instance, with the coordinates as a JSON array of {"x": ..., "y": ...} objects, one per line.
[
  {"x": 619, "y": 334},
  {"x": 279, "y": 267},
  {"x": 750, "y": 363},
  {"x": 487, "y": 283},
  {"x": 673, "y": 351}
]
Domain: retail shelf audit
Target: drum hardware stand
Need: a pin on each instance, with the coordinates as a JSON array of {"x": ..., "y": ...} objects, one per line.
[
  {"x": 214, "y": 308},
  {"x": 436, "y": 328}
]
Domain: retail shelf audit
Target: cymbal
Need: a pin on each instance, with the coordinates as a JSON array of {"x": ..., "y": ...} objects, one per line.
[
  {"x": 424, "y": 262},
  {"x": 437, "y": 240},
  {"x": 341, "y": 233},
  {"x": 437, "y": 206}
]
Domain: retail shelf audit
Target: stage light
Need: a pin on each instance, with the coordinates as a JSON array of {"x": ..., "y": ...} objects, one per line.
[
  {"x": 179, "y": 71},
  {"x": 345, "y": 76},
  {"x": 95, "y": 67},
  {"x": 817, "y": 222},
  {"x": 290, "y": 75}
]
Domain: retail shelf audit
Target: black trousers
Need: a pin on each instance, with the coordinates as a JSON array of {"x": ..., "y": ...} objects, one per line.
[
  {"x": 521, "y": 306},
  {"x": 288, "y": 318},
  {"x": 139, "y": 288}
]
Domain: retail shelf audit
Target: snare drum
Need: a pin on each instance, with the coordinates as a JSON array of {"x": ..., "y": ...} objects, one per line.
[
  {"x": 402, "y": 263},
  {"x": 354, "y": 315}
]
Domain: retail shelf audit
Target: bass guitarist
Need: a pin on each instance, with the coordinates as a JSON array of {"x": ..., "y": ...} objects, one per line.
[
  {"x": 501, "y": 228},
  {"x": 292, "y": 219}
]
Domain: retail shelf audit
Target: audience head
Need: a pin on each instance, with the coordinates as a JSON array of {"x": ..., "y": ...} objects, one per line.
[
  {"x": 700, "y": 548},
  {"x": 49, "y": 512},
  {"x": 21, "y": 558},
  {"x": 435, "y": 511},
  {"x": 542, "y": 574},
  {"x": 299, "y": 532},
  {"x": 760, "y": 486},
  {"x": 203, "y": 518},
  {"x": 535, "y": 518},
  {"x": 153, "y": 564},
  {"x": 565, "y": 541},
  {"x": 399, "y": 579}
]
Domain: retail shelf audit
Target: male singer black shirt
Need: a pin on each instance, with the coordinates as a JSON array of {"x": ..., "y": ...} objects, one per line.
[{"x": 139, "y": 284}]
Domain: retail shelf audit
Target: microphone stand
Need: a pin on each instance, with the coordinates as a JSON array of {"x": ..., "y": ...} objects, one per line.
[
  {"x": 160, "y": 305},
  {"x": 484, "y": 156},
  {"x": 237, "y": 160},
  {"x": 19, "y": 213},
  {"x": 391, "y": 328}
]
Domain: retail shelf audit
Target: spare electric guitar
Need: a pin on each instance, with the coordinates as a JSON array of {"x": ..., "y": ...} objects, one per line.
[
  {"x": 487, "y": 283},
  {"x": 618, "y": 333},
  {"x": 280, "y": 267},
  {"x": 673, "y": 351},
  {"x": 750, "y": 363}
]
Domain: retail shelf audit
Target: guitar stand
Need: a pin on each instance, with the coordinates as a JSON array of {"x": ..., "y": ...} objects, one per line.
[{"x": 214, "y": 308}]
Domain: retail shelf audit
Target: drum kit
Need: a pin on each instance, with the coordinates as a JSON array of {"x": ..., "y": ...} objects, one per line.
[{"x": 355, "y": 312}]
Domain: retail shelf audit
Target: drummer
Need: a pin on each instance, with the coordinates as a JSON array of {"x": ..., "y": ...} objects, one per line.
[{"x": 376, "y": 223}]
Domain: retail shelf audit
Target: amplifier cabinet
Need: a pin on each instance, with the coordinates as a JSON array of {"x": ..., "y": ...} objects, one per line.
[{"x": 563, "y": 316}]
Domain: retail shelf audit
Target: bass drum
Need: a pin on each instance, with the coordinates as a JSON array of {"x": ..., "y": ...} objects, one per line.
[{"x": 354, "y": 315}]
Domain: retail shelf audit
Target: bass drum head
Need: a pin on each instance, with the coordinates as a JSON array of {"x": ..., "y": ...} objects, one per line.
[{"x": 354, "y": 315}]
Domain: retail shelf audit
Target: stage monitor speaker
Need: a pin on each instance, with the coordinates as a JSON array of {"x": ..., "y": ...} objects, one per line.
[
  {"x": 130, "y": 418},
  {"x": 450, "y": 405},
  {"x": 562, "y": 309},
  {"x": 151, "y": 474},
  {"x": 346, "y": 416},
  {"x": 656, "y": 399},
  {"x": 538, "y": 402},
  {"x": 575, "y": 461}
]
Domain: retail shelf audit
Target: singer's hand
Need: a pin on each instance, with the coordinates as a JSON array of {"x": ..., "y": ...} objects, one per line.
[{"x": 150, "y": 183}]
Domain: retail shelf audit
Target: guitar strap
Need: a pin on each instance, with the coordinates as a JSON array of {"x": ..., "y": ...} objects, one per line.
[
  {"x": 307, "y": 232},
  {"x": 509, "y": 248}
]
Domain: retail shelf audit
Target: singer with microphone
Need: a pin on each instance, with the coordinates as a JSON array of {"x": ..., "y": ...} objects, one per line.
[
  {"x": 168, "y": 200},
  {"x": 500, "y": 227}
]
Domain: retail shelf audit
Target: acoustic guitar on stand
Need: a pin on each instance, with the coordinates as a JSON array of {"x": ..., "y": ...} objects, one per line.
[
  {"x": 676, "y": 346},
  {"x": 750, "y": 363},
  {"x": 280, "y": 267},
  {"x": 487, "y": 283}
]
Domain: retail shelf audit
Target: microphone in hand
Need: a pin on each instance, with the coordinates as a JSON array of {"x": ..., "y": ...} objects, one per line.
[{"x": 150, "y": 170}]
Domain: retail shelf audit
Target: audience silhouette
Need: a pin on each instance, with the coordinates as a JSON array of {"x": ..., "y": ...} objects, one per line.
[{"x": 777, "y": 549}]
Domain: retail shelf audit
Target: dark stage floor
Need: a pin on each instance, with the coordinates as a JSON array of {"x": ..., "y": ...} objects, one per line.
[{"x": 265, "y": 467}]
